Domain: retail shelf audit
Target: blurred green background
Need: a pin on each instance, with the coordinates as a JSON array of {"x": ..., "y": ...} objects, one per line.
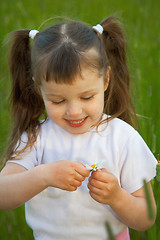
[{"x": 141, "y": 19}]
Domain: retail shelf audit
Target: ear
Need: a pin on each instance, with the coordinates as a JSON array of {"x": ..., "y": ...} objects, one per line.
[{"x": 107, "y": 78}]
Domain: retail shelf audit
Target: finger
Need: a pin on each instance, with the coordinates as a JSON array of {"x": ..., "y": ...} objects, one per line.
[
  {"x": 93, "y": 189},
  {"x": 71, "y": 188},
  {"x": 96, "y": 183},
  {"x": 105, "y": 170},
  {"x": 81, "y": 169},
  {"x": 79, "y": 177},
  {"x": 76, "y": 183},
  {"x": 102, "y": 175},
  {"x": 95, "y": 197}
]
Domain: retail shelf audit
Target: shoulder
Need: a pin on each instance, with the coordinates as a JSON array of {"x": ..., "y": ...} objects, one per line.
[
  {"x": 120, "y": 135},
  {"x": 119, "y": 128}
]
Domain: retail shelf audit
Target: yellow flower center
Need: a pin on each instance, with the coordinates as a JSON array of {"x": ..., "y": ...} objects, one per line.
[{"x": 93, "y": 166}]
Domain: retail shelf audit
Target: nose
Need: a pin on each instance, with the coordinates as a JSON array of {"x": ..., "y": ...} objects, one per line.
[{"x": 74, "y": 109}]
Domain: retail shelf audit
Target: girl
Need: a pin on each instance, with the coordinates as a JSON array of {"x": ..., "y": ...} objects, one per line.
[{"x": 80, "y": 76}]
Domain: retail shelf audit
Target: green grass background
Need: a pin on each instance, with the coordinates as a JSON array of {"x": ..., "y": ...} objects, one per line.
[{"x": 141, "y": 18}]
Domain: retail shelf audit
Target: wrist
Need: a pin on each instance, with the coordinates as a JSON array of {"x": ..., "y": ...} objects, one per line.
[
  {"x": 118, "y": 200},
  {"x": 41, "y": 171}
]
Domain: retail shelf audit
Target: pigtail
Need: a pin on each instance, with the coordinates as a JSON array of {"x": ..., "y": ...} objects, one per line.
[
  {"x": 118, "y": 102},
  {"x": 25, "y": 100}
]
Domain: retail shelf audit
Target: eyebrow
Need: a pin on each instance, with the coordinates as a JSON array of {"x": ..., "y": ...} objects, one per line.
[{"x": 91, "y": 91}]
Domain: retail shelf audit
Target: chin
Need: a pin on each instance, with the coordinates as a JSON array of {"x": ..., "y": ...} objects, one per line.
[{"x": 76, "y": 131}]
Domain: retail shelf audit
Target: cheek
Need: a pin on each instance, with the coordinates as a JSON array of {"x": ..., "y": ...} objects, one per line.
[
  {"x": 53, "y": 112},
  {"x": 99, "y": 107},
  {"x": 96, "y": 107}
]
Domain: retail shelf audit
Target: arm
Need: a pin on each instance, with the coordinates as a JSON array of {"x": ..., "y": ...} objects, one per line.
[
  {"x": 18, "y": 185},
  {"x": 130, "y": 208}
]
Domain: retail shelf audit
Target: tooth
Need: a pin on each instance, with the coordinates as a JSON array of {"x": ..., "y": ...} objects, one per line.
[{"x": 77, "y": 122}]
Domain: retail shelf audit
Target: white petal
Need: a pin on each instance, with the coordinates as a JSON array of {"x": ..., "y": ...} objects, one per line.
[
  {"x": 94, "y": 169},
  {"x": 100, "y": 162},
  {"x": 88, "y": 167}
]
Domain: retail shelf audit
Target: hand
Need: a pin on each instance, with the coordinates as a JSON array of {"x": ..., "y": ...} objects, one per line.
[
  {"x": 104, "y": 187},
  {"x": 65, "y": 174},
  {"x": 130, "y": 208}
]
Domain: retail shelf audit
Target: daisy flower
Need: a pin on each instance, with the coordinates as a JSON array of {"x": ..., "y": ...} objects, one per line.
[{"x": 94, "y": 166}]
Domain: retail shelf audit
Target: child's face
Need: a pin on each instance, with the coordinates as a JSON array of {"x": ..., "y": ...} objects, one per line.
[{"x": 77, "y": 107}]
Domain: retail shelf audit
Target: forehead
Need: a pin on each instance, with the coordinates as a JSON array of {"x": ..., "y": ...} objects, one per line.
[{"x": 89, "y": 80}]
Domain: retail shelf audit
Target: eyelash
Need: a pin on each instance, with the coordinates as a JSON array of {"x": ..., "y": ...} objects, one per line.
[
  {"x": 85, "y": 99},
  {"x": 58, "y": 102}
]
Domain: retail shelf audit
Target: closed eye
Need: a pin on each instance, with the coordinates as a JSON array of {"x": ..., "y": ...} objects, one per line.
[
  {"x": 58, "y": 102},
  {"x": 88, "y": 97}
]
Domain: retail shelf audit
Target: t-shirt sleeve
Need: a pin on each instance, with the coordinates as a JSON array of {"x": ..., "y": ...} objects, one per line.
[
  {"x": 28, "y": 159},
  {"x": 137, "y": 164}
]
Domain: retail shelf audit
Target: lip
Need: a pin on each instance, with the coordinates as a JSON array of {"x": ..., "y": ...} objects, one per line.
[{"x": 76, "y": 123}]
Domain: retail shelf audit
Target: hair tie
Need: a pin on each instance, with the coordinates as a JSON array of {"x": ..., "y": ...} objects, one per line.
[
  {"x": 33, "y": 33},
  {"x": 98, "y": 28}
]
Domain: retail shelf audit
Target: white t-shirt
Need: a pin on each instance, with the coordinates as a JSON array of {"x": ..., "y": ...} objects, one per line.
[{"x": 57, "y": 214}]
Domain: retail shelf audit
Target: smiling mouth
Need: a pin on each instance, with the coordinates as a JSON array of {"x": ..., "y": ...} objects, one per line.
[{"x": 76, "y": 123}]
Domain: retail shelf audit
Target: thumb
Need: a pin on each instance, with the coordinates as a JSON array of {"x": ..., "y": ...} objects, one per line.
[{"x": 104, "y": 170}]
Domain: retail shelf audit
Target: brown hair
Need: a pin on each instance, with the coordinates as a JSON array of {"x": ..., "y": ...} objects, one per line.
[{"x": 52, "y": 55}]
